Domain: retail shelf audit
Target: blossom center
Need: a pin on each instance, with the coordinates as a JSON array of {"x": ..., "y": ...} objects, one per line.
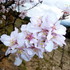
[{"x": 29, "y": 37}]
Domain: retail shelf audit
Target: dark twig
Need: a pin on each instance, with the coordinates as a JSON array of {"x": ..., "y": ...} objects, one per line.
[
  {"x": 3, "y": 56},
  {"x": 61, "y": 61}
]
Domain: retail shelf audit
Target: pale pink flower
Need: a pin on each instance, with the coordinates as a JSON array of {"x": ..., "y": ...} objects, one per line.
[{"x": 10, "y": 41}]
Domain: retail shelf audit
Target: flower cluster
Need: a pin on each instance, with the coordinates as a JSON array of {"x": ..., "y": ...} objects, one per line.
[{"x": 43, "y": 33}]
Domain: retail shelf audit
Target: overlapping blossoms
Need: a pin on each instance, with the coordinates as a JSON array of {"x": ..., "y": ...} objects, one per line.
[{"x": 43, "y": 33}]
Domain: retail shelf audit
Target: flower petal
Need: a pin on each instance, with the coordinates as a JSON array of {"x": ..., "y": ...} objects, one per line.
[
  {"x": 49, "y": 46},
  {"x": 18, "y": 61}
]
